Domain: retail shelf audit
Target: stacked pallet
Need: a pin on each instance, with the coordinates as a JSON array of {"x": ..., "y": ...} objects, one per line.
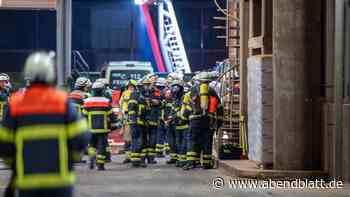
[{"x": 260, "y": 110}]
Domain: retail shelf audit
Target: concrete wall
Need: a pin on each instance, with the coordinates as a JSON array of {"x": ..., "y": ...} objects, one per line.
[{"x": 297, "y": 46}]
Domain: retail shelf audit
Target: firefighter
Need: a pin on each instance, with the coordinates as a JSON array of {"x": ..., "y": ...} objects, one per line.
[
  {"x": 137, "y": 122},
  {"x": 186, "y": 109},
  {"x": 107, "y": 92},
  {"x": 101, "y": 120},
  {"x": 153, "y": 106},
  {"x": 41, "y": 126},
  {"x": 167, "y": 105},
  {"x": 4, "y": 92},
  {"x": 204, "y": 103},
  {"x": 169, "y": 119},
  {"x": 80, "y": 92},
  {"x": 180, "y": 122},
  {"x": 125, "y": 131},
  {"x": 161, "y": 131}
]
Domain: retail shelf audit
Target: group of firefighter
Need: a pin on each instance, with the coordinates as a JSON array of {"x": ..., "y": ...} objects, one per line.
[
  {"x": 46, "y": 126},
  {"x": 171, "y": 116},
  {"x": 158, "y": 116}
]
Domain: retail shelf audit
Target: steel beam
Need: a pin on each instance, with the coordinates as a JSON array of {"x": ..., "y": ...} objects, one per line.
[{"x": 64, "y": 40}]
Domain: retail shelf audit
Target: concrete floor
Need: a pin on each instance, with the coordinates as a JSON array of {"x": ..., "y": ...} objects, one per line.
[{"x": 163, "y": 180}]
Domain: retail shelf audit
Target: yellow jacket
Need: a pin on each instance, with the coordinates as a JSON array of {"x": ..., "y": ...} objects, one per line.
[{"x": 124, "y": 100}]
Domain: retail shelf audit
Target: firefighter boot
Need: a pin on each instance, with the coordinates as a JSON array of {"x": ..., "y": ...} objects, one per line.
[
  {"x": 151, "y": 160},
  {"x": 126, "y": 160},
  {"x": 101, "y": 167},
  {"x": 92, "y": 163},
  {"x": 189, "y": 166}
]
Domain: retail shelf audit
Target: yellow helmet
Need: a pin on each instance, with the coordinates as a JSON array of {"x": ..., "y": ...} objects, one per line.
[{"x": 131, "y": 82}]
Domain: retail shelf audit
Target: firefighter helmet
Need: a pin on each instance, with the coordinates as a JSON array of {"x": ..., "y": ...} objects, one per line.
[
  {"x": 39, "y": 67},
  {"x": 161, "y": 82},
  {"x": 151, "y": 78},
  {"x": 4, "y": 77},
  {"x": 98, "y": 85},
  {"x": 131, "y": 82},
  {"x": 178, "y": 83},
  {"x": 146, "y": 81},
  {"x": 203, "y": 77},
  {"x": 103, "y": 80},
  {"x": 82, "y": 82},
  {"x": 176, "y": 76}
]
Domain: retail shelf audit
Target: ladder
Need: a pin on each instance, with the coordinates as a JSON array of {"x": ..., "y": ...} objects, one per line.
[{"x": 171, "y": 42}]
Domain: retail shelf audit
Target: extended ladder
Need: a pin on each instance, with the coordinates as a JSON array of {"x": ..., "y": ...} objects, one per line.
[{"x": 171, "y": 42}]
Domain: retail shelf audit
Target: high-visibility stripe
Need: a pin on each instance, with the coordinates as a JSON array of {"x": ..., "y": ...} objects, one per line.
[
  {"x": 132, "y": 101},
  {"x": 152, "y": 123},
  {"x": 189, "y": 108},
  {"x": 159, "y": 145},
  {"x": 105, "y": 121},
  {"x": 195, "y": 116},
  {"x": 76, "y": 128},
  {"x": 42, "y": 132},
  {"x": 206, "y": 161},
  {"x": 91, "y": 151},
  {"x": 2, "y": 104},
  {"x": 131, "y": 112},
  {"x": 143, "y": 155},
  {"x": 77, "y": 156},
  {"x": 45, "y": 181},
  {"x": 182, "y": 127},
  {"x": 135, "y": 154},
  {"x": 189, "y": 158},
  {"x": 191, "y": 154},
  {"x": 76, "y": 95},
  {"x": 101, "y": 157},
  {"x": 6, "y": 135},
  {"x": 96, "y": 104}
]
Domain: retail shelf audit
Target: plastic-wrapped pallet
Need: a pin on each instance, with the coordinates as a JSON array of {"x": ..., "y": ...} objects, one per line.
[{"x": 260, "y": 111}]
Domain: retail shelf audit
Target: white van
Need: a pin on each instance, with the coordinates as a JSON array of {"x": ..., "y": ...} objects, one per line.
[{"x": 118, "y": 73}]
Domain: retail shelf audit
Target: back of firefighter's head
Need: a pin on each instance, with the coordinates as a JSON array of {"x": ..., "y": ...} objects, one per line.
[
  {"x": 203, "y": 77},
  {"x": 39, "y": 68},
  {"x": 4, "y": 80},
  {"x": 83, "y": 83},
  {"x": 104, "y": 81},
  {"x": 177, "y": 88},
  {"x": 98, "y": 88}
]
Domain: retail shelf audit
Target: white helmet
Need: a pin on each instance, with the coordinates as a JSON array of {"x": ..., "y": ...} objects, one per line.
[
  {"x": 103, "y": 80},
  {"x": 178, "y": 83},
  {"x": 161, "y": 82},
  {"x": 4, "y": 77},
  {"x": 39, "y": 67},
  {"x": 82, "y": 82},
  {"x": 98, "y": 85},
  {"x": 176, "y": 76},
  {"x": 203, "y": 77}
]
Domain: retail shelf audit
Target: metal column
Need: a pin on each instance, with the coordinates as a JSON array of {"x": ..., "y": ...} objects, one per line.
[
  {"x": 64, "y": 41},
  {"x": 339, "y": 86}
]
